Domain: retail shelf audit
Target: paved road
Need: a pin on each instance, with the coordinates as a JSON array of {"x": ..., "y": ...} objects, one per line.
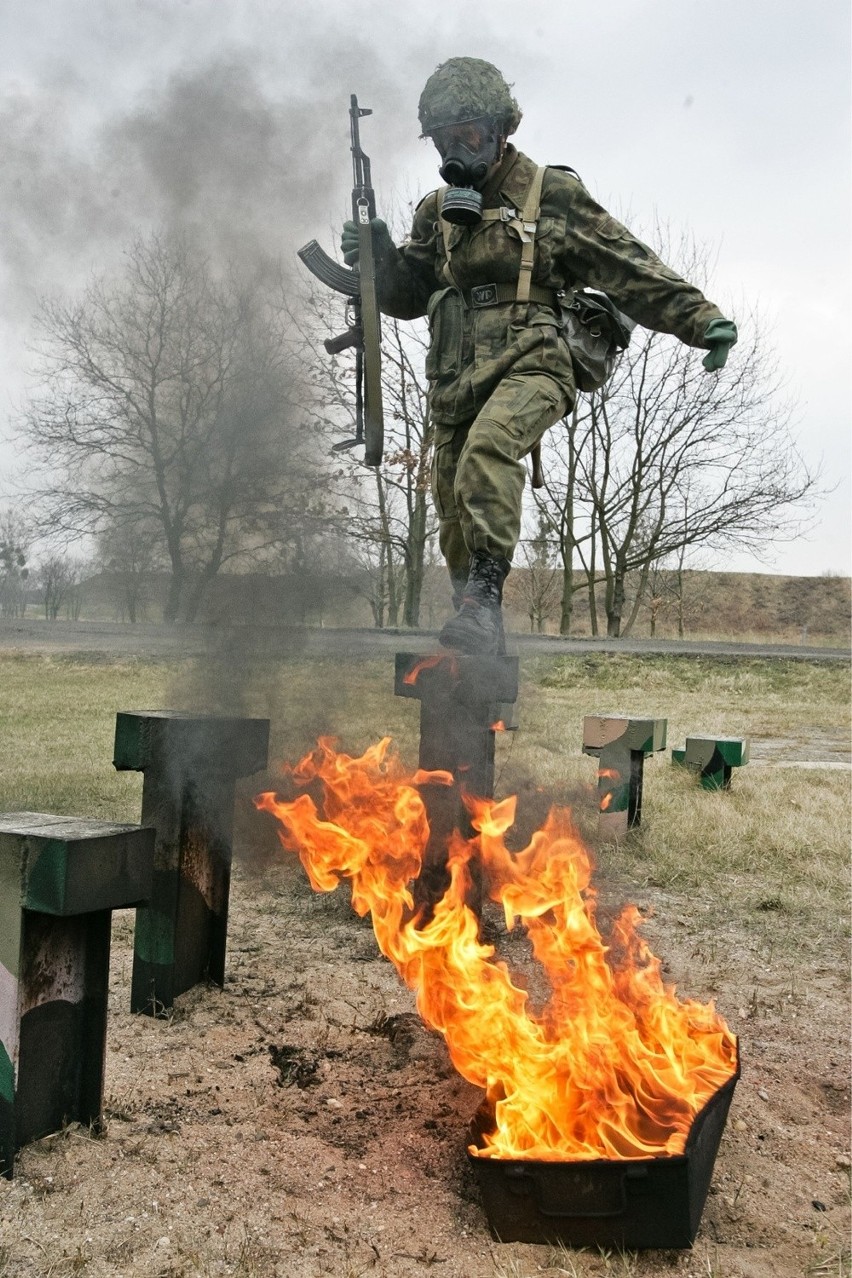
[{"x": 155, "y": 640}]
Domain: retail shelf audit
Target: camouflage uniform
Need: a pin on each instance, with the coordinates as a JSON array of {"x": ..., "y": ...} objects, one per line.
[{"x": 500, "y": 375}]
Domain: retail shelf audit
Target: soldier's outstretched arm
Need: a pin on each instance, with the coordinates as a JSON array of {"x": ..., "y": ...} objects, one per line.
[{"x": 601, "y": 252}]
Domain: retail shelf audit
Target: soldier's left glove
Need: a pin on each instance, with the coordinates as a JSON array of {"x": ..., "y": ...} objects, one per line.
[{"x": 720, "y": 335}]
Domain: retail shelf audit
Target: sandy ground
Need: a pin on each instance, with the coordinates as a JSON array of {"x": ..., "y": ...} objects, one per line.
[{"x": 302, "y": 1122}]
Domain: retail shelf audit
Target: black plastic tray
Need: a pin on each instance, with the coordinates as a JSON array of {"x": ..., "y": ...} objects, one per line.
[{"x": 640, "y": 1203}]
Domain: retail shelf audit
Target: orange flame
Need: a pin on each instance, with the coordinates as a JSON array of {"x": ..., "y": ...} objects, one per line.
[
  {"x": 609, "y": 774},
  {"x": 429, "y": 663},
  {"x": 499, "y": 726},
  {"x": 614, "y": 1065}
]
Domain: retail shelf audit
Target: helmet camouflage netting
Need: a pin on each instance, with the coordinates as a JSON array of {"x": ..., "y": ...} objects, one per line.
[{"x": 467, "y": 89}]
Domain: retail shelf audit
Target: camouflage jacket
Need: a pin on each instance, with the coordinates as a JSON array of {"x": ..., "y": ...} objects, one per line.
[{"x": 577, "y": 243}]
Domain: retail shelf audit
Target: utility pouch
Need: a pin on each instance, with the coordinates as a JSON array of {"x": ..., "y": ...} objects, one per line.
[{"x": 596, "y": 332}]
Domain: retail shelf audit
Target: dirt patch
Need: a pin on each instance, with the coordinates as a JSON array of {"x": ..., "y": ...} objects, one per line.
[{"x": 303, "y": 1122}]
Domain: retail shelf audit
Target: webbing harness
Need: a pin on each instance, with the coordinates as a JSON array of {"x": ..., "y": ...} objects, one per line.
[{"x": 525, "y": 223}]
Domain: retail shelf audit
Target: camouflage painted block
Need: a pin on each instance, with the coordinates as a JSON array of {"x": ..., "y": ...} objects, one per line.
[
  {"x": 621, "y": 743},
  {"x": 191, "y": 764},
  {"x": 715, "y": 757},
  {"x": 464, "y": 701},
  {"x": 60, "y": 879}
]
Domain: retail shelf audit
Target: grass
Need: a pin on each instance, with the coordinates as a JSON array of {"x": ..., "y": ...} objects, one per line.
[{"x": 772, "y": 851}]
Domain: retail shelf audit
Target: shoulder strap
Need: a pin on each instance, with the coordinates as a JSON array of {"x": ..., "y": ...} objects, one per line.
[
  {"x": 446, "y": 228},
  {"x": 529, "y": 218}
]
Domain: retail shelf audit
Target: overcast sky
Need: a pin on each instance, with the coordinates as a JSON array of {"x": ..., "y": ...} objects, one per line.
[{"x": 729, "y": 119}]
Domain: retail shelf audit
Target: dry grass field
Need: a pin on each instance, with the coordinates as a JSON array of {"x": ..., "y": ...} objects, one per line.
[{"x": 301, "y": 1121}]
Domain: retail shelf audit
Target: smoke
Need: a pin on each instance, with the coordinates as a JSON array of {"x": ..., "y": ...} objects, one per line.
[
  {"x": 210, "y": 150},
  {"x": 239, "y": 145}
]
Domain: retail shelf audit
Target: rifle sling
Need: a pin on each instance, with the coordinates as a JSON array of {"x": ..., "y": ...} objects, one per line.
[{"x": 370, "y": 325}]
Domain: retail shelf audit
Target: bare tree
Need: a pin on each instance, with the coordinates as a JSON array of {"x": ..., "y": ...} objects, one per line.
[
  {"x": 667, "y": 457},
  {"x": 167, "y": 402},
  {"x": 558, "y": 509},
  {"x": 59, "y": 576},
  {"x": 537, "y": 585},
  {"x": 128, "y": 557},
  {"x": 15, "y": 538}
]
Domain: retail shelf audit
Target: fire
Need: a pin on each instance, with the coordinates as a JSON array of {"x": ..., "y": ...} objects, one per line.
[
  {"x": 609, "y": 774},
  {"x": 429, "y": 663},
  {"x": 614, "y": 1065}
]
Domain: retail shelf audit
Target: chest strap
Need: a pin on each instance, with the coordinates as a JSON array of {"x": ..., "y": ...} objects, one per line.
[
  {"x": 525, "y": 225},
  {"x": 529, "y": 218}
]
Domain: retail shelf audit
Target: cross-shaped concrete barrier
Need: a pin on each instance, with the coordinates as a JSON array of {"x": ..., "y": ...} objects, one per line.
[
  {"x": 60, "y": 879},
  {"x": 621, "y": 743},
  {"x": 191, "y": 764}
]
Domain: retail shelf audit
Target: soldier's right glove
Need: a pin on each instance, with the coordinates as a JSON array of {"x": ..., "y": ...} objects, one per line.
[
  {"x": 720, "y": 335},
  {"x": 382, "y": 242}
]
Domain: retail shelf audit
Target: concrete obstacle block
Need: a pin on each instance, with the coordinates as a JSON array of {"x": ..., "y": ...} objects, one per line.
[
  {"x": 714, "y": 758},
  {"x": 191, "y": 764},
  {"x": 60, "y": 880},
  {"x": 621, "y": 743},
  {"x": 464, "y": 701}
]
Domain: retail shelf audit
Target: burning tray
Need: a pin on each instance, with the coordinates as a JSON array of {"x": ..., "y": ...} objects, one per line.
[{"x": 637, "y": 1203}]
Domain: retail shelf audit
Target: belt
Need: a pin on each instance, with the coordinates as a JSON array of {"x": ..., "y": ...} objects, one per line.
[{"x": 497, "y": 294}]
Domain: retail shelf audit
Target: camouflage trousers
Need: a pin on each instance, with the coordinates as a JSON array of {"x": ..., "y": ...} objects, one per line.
[{"x": 478, "y": 472}]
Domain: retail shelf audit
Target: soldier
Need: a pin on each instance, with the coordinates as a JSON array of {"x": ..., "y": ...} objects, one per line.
[{"x": 490, "y": 260}]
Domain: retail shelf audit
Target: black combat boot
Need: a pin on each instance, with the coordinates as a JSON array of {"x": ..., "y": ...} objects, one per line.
[
  {"x": 458, "y": 580},
  {"x": 477, "y": 627}
]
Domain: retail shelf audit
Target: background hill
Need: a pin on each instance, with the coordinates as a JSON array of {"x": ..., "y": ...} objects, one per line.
[{"x": 747, "y": 606}]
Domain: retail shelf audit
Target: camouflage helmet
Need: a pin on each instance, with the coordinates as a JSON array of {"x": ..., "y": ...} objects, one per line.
[{"x": 467, "y": 89}]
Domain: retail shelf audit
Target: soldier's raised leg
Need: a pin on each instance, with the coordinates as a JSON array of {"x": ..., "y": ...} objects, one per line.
[{"x": 478, "y": 483}]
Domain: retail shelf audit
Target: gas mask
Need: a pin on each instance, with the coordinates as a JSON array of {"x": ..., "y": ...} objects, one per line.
[{"x": 468, "y": 152}]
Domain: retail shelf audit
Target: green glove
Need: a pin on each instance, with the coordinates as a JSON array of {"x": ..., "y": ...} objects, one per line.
[
  {"x": 382, "y": 242},
  {"x": 720, "y": 335}
]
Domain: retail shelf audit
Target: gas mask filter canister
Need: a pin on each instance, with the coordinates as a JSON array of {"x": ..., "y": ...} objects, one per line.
[{"x": 465, "y": 169}]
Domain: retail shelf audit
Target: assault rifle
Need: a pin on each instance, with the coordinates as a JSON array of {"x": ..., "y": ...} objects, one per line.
[{"x": 359, "y": 287}]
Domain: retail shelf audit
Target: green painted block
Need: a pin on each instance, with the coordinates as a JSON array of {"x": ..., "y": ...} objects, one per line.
[
  {"x": 60, "y": 879},
  {"x": 153, "y": 939},
  {"x": 7, "y": 1076},
  {"x": 704, "y": 752},
  {"x": 679, "y": 757},
  {"x": 734, "y": 750},
  {"x": 714, "y": 758},
  {"x": 231, "y": 747},
  {"x": 647, "y": 735},
  {"x": 68, "y": 866}
]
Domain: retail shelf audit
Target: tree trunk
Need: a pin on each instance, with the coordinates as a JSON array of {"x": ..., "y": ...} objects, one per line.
[
  {"x": 593, "y": 603},
  {"x": 566, "y": 610},
  {"x": 416, "y": 556},
  {"x": 637, "y": 602},
  {"x": 615, "y": 603},
  {"x": 173, "y": 598}
]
